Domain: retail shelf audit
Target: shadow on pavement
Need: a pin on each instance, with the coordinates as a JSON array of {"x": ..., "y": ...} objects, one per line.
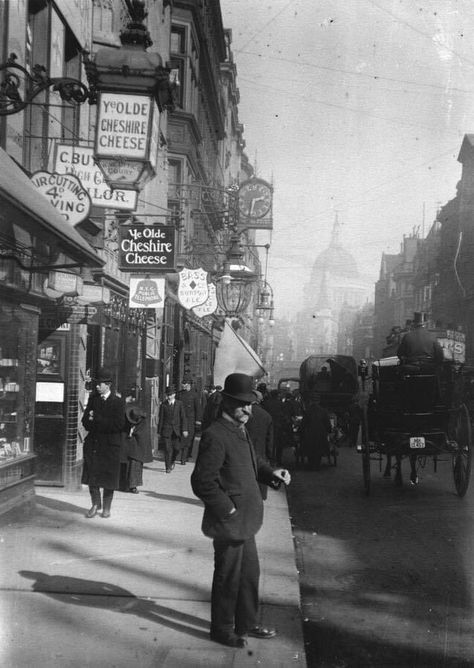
[
  {"x": 94, "y": 594},
  {"x": 334, "y": 647},
  {"x": 56, "y": 504},
  {"x": 172, "y": 497}
]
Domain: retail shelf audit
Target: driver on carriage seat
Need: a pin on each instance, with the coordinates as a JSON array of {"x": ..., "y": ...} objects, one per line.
[{"x": 419, "y": 345}]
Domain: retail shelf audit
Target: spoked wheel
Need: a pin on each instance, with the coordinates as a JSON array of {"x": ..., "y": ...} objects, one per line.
[
  {"x": 366, "y": 466},
  {"x": 463, "y": 455}
]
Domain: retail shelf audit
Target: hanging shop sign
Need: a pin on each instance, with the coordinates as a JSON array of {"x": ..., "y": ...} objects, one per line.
[
  {"x": 147, "y": 248},
  {"x": 146, "y": 292},
  {"x": 210, "y": 305},
  {"x": 126, "y": 138},
  {"x": 79, "y": 161},
  {"x": 65, "y": 193},
  {"x": 193, "y": 288}
]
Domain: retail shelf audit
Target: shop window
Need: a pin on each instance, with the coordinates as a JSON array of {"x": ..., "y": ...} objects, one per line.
[{"x": 17, "y": 338}]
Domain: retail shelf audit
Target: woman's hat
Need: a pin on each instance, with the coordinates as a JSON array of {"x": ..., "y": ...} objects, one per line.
[
  {"x": 104, "y": 375},
  {"x": 134, "y": 414},
  {"x": 170, "y": 389},
  {"x": 239, "y": 386}
]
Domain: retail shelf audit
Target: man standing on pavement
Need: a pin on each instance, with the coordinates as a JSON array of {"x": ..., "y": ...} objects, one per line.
[
  {"x": 192, "y": 408},
  {"x": 104, "y": 419},
  {"x": 225, "y": 478},
  {"x": 172, "y": 426}
]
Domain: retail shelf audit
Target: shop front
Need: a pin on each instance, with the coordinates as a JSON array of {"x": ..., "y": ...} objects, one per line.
[{"x": 36, "y": 243}]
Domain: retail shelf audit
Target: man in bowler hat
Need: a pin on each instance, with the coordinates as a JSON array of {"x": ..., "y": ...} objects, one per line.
[
  {"x": 192, "y": 407},
  {"x": 225, "y": 478},
  {"x": 104, "y": 419},
  {"x": 172, "y": 426}
]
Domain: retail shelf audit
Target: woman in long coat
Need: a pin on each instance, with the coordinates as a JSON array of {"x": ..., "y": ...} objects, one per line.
[
  {"x": 104, "y": 419},
  {"x": 137, "y": 449}
]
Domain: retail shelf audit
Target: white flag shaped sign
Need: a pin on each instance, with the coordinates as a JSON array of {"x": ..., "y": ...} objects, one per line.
[
  {"x": 193, "y": 288},
  {"x": 209, "y": 305}
]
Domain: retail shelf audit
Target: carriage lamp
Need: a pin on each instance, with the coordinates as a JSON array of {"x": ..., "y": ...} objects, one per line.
[
  {"x": 234, "y": 285},
  {"x": 265, "y": 303}
]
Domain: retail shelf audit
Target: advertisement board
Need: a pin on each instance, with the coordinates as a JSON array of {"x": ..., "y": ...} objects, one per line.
[
  {"x": 79, "y": 161},
  {"x": 148, "y": 249}
]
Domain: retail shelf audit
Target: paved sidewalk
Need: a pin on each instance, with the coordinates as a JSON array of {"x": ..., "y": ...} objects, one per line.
[{"x": 134, "y": 590}]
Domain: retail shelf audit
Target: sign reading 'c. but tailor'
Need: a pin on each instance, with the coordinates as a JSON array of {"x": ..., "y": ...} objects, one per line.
[{"x": 148, "y": 249}]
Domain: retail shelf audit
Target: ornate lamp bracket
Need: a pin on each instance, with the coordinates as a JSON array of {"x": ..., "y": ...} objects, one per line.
[{"x": 14, "y": 76}]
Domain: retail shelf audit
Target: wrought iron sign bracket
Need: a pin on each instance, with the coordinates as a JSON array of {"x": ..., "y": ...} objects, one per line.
[{"x": 12, "y": 100}]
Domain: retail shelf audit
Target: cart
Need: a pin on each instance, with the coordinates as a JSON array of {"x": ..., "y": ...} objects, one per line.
[
  {"x": 419, "y": 411},
  {"x": 333, "y": 379}
]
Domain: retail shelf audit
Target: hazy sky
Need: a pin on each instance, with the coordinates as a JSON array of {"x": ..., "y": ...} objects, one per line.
[{"x": 354, "y": 106}]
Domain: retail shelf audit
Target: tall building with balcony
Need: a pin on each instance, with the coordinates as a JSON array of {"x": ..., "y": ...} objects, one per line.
[{"x": 206, "y": 163}]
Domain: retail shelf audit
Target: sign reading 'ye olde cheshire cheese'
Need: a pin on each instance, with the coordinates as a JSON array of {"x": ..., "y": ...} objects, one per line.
[
  {"x": 147, "y": 249},
  {"x": 123, "y": 124}
]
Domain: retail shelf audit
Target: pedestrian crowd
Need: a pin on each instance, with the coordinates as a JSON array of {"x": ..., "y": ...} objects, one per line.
[{"x": 244, "y": 432}]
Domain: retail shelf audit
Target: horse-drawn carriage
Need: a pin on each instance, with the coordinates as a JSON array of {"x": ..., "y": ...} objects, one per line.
[
  {"x": 419, "y": 411},
  {"x": 332, "y": 381}
]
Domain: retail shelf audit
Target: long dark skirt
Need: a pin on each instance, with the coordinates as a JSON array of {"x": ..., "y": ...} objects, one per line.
[{"x": 131, "y": 475}]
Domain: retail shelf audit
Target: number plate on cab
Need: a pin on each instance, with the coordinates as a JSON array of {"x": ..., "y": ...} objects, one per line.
[{"x": 417, "y": 442}]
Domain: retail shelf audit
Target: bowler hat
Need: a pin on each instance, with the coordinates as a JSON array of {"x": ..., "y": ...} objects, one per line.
[
  {"x": 134, "y": 414},
  {"x": 170, "y": 389},
  {"x": 104, "y": 375},
  {"x": 239, "y": 386}
]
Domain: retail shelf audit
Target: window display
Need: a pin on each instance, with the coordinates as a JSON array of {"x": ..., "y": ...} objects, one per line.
[{"x": 14, "y": 421}]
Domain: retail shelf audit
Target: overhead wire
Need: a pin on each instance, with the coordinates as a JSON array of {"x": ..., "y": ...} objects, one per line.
[
  {"x": 372, "y": 77},
  {"x": 419, "y": 32},
  {"x": 324, "y": 103}
]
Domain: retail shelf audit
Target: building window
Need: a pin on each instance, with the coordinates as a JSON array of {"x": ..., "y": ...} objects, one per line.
[{"x": 178, "y": 40}]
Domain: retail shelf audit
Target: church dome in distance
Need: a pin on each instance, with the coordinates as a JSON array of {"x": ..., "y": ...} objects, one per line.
[{"x": 335, "y": 260}]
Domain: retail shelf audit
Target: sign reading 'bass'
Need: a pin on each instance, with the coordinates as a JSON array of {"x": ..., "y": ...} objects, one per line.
[{"x": 147, "y": 249}]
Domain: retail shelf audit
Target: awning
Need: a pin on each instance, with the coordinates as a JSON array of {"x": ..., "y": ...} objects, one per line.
[
  {"x": 17, "y": 189},
  {"x": 234, "y": 355}
]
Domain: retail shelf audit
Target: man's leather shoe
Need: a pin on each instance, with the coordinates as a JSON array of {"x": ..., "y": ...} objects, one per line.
[
  {"x": 261, "y": 632},
  {"x": 229, "y": 639},
  {"x": 106, "y": 513},
  {"x": 92, "y": 512},
  {"x": 134, "y": 490}
]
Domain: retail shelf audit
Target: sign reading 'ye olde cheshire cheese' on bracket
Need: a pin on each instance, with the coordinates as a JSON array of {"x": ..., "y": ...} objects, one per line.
[{"x": 147, "y": 249}]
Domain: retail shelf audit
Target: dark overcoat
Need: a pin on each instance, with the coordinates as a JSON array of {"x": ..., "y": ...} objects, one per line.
[
  {"x": 192, "y": 406},
  {"x": 138, "y": 442},
  {"x": 260, "y": 430},
  {"x": 172, "y": 419},
  {"x": 103, "y": 443},
  {"x": 212, "y": 409},
  {"x": 315, "y": 429},
  {"x": 419, "y": 342},
  {"x": 226, "y": 476}
]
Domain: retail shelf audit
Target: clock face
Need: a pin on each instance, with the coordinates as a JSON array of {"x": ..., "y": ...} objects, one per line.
[{"x": 255, "y": 199}]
